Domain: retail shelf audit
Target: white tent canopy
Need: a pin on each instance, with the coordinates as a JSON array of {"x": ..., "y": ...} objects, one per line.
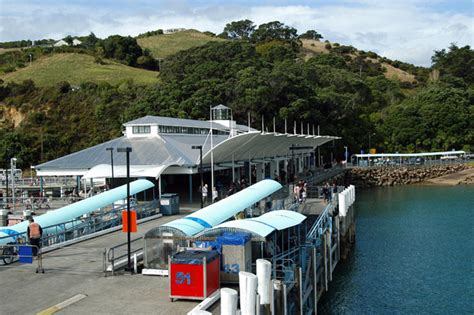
[{"x": 105, "y": 171}]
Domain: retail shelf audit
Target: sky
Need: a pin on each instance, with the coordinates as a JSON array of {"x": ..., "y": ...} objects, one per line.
[{"x": 406, "y": 30}]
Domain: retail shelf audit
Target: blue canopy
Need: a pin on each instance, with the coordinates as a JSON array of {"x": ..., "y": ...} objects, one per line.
[
  {"x": 223, "y": 210},
  {"x": 75, "y": 210}
]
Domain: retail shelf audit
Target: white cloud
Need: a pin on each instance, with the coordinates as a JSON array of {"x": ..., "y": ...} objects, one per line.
[{"x": 405, "y": 30}]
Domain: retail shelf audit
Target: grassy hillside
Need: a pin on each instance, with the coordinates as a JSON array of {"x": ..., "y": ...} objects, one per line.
[
  {"x": 312, "y": 47},
  {"x": 162, "y": 46},
  {"x": 5, "y": 50},
  {"x": 77, "y": 68}
]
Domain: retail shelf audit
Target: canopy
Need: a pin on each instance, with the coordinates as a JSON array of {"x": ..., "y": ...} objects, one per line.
[
  {"x": 105, "y": 171},
  {"x": 75, "y": 210},
  {"x": 264, "y": 224},
  {"x": 379, "y": 155},
  {"x": 221, "y": 211},
  {"x": 257, "y": 145}
]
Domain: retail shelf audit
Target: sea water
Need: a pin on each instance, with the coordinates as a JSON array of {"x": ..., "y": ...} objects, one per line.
[{"x": 414, "y": 254}]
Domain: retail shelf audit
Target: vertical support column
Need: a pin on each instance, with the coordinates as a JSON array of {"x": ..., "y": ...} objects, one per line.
[
  {"x": 41, "y": 186},
  {"x": 190, "y": 188},
  {"x": 329, "y": 236},
  {"x": 159, "y": 187},
  {"x": 315, "y": 280},
  {"x": 233, "y": 169},
  {"x": 325, "y": 254},
  {"x": 338, "y": 226},
  {"x": 285, "y": 168},
  {"x": 259, "y": 168}
]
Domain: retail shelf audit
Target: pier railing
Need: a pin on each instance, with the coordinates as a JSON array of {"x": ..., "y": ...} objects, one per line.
[{"x": 74, "y": 229}]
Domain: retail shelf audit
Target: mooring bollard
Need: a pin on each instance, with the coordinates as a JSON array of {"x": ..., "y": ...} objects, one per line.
[
  {"x": 228, "y": 301},
  {"x": 248, "y": 292},
  {"x": 264, "y": 270}
]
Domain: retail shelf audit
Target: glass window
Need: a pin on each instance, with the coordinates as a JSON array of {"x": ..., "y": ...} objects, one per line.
[{"x": 141, "y": 129}]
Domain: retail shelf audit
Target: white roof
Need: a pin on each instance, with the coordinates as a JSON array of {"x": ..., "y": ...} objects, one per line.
[
  {"x": 264, "y": 224},
  {"x": 410, "y": 154},
  {"x": 105, "y": 171}
]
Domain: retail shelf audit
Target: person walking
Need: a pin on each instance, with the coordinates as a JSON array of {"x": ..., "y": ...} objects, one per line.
[{"x": 34, "y": 232}]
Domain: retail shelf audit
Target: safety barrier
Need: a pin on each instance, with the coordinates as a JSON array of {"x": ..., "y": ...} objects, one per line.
[
  {"x": 83, "y": 226},
  {"x": 116, "y": 258}
]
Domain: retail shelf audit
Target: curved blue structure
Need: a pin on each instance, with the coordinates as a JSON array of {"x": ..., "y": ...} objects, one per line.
[
  {"x": 75, "y": 210},
  {"x": 221, "y": 211}
]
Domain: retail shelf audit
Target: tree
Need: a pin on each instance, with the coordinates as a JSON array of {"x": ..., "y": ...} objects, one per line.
[
  {"x": 121, "y": 48},
  {"x": 274, "y": 31},
  {"x": 69, "y": 40},
  {"x": 457, "y": 62},
  {"x": 239, "y": 29},
  {"x": 311, "y": 34},
  {"x": 91, "y": 40}
]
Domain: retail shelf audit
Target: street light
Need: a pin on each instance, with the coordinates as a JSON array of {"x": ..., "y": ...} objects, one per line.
[
  {"x": 345, "y": 154},
  {"x": 199, "y": 147},
  {"x": 111, "y": 161},
  {"x": 128, "y": 150},
  {"x": 13, "y": 167}
]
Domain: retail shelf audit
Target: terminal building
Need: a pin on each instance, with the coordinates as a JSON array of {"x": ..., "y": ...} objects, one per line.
[{"x": 170, "y": 152}]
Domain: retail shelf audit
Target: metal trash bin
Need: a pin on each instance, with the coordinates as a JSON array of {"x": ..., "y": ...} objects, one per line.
[
  {"x": 194, "y": 274},
  {"x": 169, "y": 204}
]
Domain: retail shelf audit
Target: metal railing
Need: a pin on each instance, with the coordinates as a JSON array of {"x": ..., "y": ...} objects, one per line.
[
  {"x": 65, "y": 231},
  {"x": 46, "y": 181},
  {"x": 116, "y": 257},
  {"x": 396, "y": 163}
]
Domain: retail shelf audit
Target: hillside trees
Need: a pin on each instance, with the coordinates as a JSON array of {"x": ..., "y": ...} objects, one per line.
[
  {"x": 455, "y": 63},
  {"x": 239, "y": 29},
  {"x": 311, "y": 34}
]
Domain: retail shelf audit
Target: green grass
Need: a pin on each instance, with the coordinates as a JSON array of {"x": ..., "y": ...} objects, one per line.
[
  {"x": 77, "y": 68},
  {"x": 162, "y": 46}
]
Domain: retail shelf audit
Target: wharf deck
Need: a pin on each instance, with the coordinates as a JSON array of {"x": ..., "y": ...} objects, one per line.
[
  {"x": 313, "y": 207},
  {"x": 77, "y": 269}
]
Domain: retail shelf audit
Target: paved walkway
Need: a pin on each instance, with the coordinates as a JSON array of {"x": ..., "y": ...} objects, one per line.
[{"x": 77, "y": 269}]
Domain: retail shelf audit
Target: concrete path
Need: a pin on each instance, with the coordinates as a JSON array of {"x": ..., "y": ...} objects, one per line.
[{"x": 76, "y": 270}]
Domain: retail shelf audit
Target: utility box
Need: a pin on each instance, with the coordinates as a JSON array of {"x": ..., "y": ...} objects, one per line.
[
  {"x": 194, "y": 274},
  {"x": 169, "y": 204},
  {"x": 236, "y": 255}
]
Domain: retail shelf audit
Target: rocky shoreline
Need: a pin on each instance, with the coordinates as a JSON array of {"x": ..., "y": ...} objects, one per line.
[{"x": 393, "y": 176}]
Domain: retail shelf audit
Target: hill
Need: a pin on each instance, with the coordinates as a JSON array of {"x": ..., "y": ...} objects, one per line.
[
  {"x": 162, "y": 46},
  {"x": 312, "y": 47},
  {"x": 77, "y": 68}
]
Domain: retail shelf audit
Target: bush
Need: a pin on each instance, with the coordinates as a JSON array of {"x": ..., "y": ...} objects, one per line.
[{"x": 328, "y": 46}]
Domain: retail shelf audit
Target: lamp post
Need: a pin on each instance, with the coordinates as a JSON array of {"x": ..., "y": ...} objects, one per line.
[
  {"x": 127, "y": 150},
  {"x": 111, "y": 161},
  {"x": 199, "y": 147},
  {"x": 13, "y": 167},
  {"x": 345, "y": 154}
]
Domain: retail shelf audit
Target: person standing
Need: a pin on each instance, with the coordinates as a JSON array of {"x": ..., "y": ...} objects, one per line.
[
  {"x": 204, "y": 191},
  {"x": 35, "y": 232},
  {"x": 215, "y": 194}
]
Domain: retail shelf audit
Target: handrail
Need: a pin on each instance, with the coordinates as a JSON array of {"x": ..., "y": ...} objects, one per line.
[{"x": 91, "y": 224}]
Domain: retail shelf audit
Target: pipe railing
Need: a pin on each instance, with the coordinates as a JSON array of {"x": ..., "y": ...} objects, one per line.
[{"x": 73, "y": 229}]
